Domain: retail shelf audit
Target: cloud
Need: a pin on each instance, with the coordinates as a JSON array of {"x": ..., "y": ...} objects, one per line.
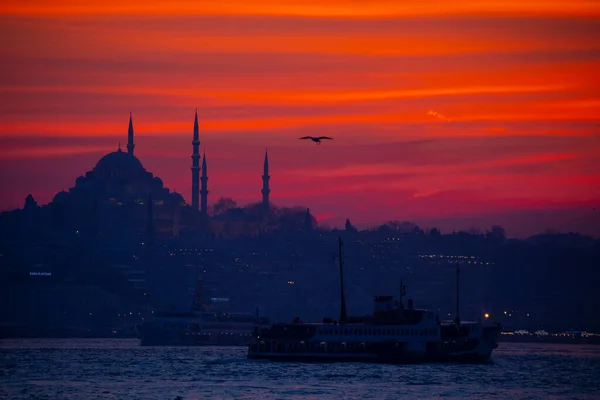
[
  {"x": 438, "y": 115},
  {"x": 313, "y": 8}
]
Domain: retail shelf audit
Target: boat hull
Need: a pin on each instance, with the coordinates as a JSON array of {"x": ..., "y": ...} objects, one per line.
[{"x": 470, "y": 350}]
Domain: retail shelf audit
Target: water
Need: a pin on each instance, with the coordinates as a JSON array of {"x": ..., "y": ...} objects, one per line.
[{"x": 120, "y": 369}]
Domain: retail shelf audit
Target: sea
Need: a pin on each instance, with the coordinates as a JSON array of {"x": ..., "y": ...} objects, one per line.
[{"x": 120, "y": 369}]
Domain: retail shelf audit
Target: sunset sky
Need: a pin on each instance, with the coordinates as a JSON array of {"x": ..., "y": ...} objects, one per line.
[{"x": 450, "y": 114}]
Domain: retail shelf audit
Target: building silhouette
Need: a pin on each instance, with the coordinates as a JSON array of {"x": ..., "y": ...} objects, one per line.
[
  {"x": 195, "y": 164},
  {"x": 119, "y": 186},
  {"x": 265, "y": 178},
  {"x": 130, "y": 144},
  {"x": 118, "y": 189}
]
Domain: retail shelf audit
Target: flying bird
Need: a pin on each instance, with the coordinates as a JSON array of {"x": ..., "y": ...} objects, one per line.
[{"x": 317, "y": 140}]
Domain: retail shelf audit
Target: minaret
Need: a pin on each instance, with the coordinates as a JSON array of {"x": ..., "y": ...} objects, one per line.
[
  {"x": 204, "y": 191},
  {"x": 265, "y": 190},
  {"x": 195, "y": 164},
  {"x": 130, "y": 144}
]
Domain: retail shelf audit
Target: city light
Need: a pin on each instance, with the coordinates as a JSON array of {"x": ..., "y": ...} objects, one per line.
[{"x": 486, "y": 315}]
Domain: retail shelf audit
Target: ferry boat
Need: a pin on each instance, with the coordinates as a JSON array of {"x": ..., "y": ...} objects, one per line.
[
  {"x": 392, "y": 334},
  {"x": 202, "y": 326}
]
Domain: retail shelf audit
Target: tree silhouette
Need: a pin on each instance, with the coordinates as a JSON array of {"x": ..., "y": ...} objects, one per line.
[
  {"x": 434, "y": 232},
  {"x": 349, "y": 227},
  {"x": 497, "y": 233},
  {"x": 223, "y": 205}
]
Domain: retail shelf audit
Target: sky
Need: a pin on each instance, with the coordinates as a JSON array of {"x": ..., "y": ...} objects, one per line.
[{"x": 457, "y": 114}]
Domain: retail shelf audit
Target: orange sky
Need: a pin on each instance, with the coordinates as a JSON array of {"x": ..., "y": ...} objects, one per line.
[{"x": 515, "y": 83}]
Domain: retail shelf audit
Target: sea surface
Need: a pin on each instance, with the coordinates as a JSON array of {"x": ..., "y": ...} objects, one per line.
[{"x": 121, "y": 369}]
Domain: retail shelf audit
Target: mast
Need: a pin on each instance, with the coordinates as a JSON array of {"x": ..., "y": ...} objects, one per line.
[
  {"x": 457, "y": 317},
  {"x": 402, "y": 293},
  {"x": 343, "y": 315}
]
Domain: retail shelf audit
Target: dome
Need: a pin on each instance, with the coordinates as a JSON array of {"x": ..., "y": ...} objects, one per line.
[
  {"x": 118, "y": 161},
  {"x": 80, "y": 181},
  {"x": 177, "y": 198},
  {"x": 158, "y": 181},
  {"x": 61, "y": 197}
]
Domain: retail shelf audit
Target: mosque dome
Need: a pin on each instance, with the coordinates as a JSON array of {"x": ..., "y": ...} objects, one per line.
[
  {"x": 176, "y": 198},
  {"x": 118, "y": 161},
  {"x": 158, "y": 181}
]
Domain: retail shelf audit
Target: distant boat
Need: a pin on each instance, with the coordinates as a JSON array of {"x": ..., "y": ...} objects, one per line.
[
  {"x": 199, "y": 327},
  {"x": 392, "y": 334}
]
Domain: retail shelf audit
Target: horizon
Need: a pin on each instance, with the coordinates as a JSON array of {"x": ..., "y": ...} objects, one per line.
[{"x": 450, "y": 117}]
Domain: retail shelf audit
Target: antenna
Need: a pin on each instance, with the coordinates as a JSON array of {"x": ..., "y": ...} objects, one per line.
[
  {"x": 343, "y": 315},
  {"x": 457, "y": 317}
]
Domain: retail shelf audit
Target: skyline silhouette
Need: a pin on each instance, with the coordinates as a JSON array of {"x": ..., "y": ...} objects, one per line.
[
  {"x": 585, "y": 222},
  {"x": 456, "y": 118}
]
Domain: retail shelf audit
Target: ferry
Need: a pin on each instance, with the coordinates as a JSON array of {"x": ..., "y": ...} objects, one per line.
[
  {"x": 202, "y": 326},
  {"x": 392, "y": 334}
]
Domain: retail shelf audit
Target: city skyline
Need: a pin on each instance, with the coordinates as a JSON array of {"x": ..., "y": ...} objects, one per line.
[{"x": 486, "y": 116}]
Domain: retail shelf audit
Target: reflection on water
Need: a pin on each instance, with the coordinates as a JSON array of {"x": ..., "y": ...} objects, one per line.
[{"x": 120, "y": 369}]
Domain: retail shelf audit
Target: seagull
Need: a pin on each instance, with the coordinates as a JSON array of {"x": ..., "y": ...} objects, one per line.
[{"x": 317, "y": 140}]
